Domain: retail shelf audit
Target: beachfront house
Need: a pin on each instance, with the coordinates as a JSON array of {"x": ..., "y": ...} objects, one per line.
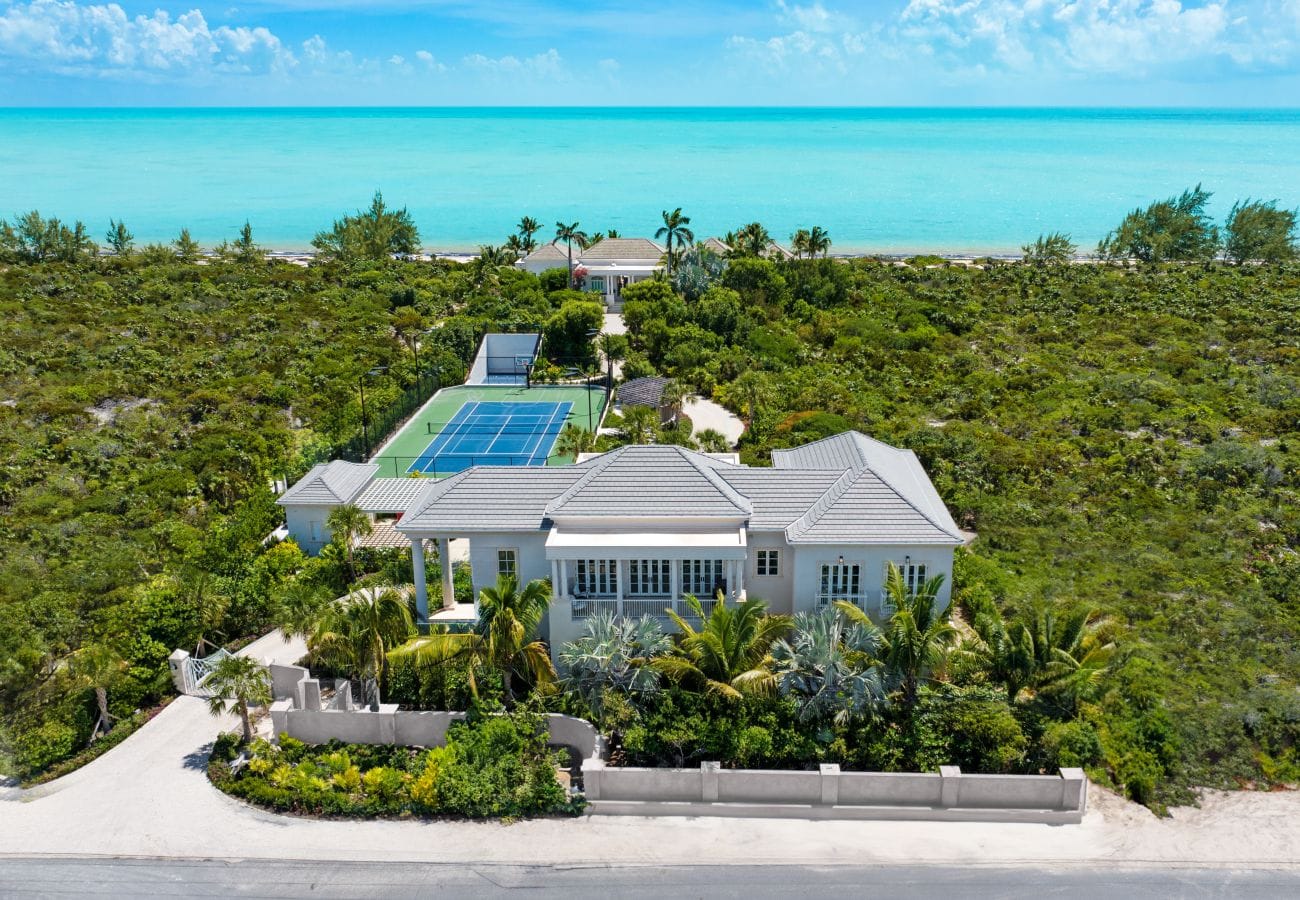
[
  {"x": 606, "y": 267},
  {"x": 634, "y": 530}
]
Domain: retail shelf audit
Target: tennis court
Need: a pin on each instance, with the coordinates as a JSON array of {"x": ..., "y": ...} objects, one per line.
[{"x": 494, "y": 433}]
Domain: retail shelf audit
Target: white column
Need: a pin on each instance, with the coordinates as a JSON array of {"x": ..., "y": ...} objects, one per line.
[
  {"x": 448, "y": 582},
  {"x": 738, "y": 586},
  {"x": 620, "y": 578},
  {"x": 421, "y": 588},
  {"x": 556, "y": 591},
  {"x": 675, "y": 583},
  {"x": 564, "y": 578}
]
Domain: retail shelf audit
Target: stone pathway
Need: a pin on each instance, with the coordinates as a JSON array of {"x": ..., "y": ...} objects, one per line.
[{"x": 707, "y": 414}]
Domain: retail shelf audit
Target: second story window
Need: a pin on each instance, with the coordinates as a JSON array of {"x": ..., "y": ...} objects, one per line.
[
  {"x": 767, "y": 562},
  {"x": 507, "y": 563}
]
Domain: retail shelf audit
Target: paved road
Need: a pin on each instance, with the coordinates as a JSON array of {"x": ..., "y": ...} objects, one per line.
[{"x": 50, "y": 877}]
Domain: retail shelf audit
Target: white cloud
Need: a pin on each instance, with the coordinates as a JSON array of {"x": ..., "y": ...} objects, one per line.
[
  {"x": 101, "y": 39},
  {"x": 548, "y": 65}
]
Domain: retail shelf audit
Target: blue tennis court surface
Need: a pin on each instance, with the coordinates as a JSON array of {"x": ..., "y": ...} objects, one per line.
[{"x": 492, "y": 433}]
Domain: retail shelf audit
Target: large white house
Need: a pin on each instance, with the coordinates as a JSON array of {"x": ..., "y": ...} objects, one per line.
[
  {"x": 634, "y": 530},
  {"x": 606, "y": 267}
]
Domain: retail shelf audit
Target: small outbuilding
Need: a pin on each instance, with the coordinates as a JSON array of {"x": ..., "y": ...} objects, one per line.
[{"x": 648, "y": 391}]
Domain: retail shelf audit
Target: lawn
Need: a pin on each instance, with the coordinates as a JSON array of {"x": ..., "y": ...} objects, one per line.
[{"x": 405, "y": 447}]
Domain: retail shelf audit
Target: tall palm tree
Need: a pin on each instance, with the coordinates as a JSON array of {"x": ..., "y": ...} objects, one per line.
[
  {"x": 504, "y": 639},
  {"x": 730, "y": 654},
  {"x": 750, "y": 240},
  {"x": 917, "y": 636},
  {"x": 346, "y": 523},
  {"x": 819, "y": 241},
  {"x": 528, "y": 227},
  {"x": 675, "y": 229},
  {"x": 674, "y": 394},
  {"x": 574, "y": 440},
  {"x": 355, "y": 634},
  {"x": 241, "y": 682},
  {"x": 799, "y": 243},
  {"x": 569, "y": 234}
]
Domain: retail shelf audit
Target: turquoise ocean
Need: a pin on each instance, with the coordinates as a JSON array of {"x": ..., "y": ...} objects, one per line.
[{"x": 880, "y": 180}]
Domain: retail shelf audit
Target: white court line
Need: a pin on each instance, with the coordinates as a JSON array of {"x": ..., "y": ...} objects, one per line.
[{"x": 468, "y": 409}]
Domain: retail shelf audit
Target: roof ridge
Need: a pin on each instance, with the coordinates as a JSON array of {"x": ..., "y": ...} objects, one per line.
[
  {"x": 596, "y": 466},
  {"x": 903, "y": 496},
  {"x": 822, "y": 504},
  {"x": 842, "y": 437},
  {"x": 737, "y": 499},
  {"x": 435, "y": 488}
]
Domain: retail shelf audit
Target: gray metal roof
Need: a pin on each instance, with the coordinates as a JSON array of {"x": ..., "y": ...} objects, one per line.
[
  {"x": 490, "y": 498},
  {"x": 548, "y": 252},
  {"x": 652, "y": 480},
  {"x": 330, "y": 484},
  {"x": 778, "y": 496},
  {"x": 860, "y": 508},
  {"x": 896, "y": 469},
  {"x": 622, "y": 248},
  {"x": 390, "y": 495},
  {"x": 648, "y": 391},
  {"x": 716, "y": 245}
]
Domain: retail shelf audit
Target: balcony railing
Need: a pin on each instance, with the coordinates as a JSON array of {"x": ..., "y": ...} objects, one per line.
[
  {"x": 636, "y": 607},
  {"x": 862, "y": 599}
]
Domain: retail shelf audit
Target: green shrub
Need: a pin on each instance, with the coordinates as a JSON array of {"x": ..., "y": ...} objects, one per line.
[
  {"x": 41, "y": 747},
  {"x": 1071, "y": 744}
]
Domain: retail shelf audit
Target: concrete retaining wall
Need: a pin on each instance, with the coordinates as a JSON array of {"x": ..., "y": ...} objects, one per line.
[{"x": 832, "y": 794}]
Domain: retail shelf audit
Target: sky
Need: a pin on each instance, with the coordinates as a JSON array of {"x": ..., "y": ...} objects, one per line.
[{"x": 669, "y": 53}]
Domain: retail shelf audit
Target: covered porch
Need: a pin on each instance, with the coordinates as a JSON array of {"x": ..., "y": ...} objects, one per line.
[
  {"x": 449, "y": 612},
  {"x": 645, "y": 574}
]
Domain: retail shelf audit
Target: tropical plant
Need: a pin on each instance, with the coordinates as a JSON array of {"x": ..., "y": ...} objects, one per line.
[
  {"x": 187, "y": 249},
  {"x": 490, "y": 255},
  {"x": 697, "y": 268},
  {"x": 299, "y": 606},
  {"x": 1257, "y": 231},
  {"x": 574, "y": 440},
  {"x": 730, "y": 654},
  {"x": 675, "y": 229},
  {"x": 376, "y": 233},
  {"x": 917, "y": 636},
  {"x": 674, "y": 395},
  {"x": 819, "y": 241},
  {"x": 32, "y": 239},
  {"x": 96, "y": 667},
  {"x": 1054, "y": 249},
  {"x": 828, "y": 666},
  {"x": 346, "y": 523},
  {"x": 240, "y": 682},
  {"x": 527, "y": 229},
  {"x": 504, "y": 639},
  {"x": 799, "y": 243},
  {"x": 356, "y": 633},
  {"x": 640, "y": 425},
  {"x": 748, "y": 240},
  {"x": 570, "y": 233},
  {"x": 613, "y": 654}
]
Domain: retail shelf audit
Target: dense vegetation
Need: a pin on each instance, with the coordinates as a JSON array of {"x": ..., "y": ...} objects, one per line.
[
  {"x": 491, "y": 767},
  {"x": 1124, "y": 440}
]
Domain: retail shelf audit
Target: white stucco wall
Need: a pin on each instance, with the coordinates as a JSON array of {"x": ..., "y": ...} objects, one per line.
[
  {"x": 808, "y": 560},
  {"x": 777, "y": 590},
  {"x": 298, "y": 521},
  {"x": 531, "y": 556}
]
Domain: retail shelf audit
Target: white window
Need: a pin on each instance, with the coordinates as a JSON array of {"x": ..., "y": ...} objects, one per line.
[
  {"x": 508, "y": 563},
  {"x": 703, "y": 578},
  {"x": 595, "y": 577},
  {"x": 649, "y": 578},
  {"x": 840, "y": 581},
  {"x": 913, "y": 575},
  {"x": 767, "y": 562}
]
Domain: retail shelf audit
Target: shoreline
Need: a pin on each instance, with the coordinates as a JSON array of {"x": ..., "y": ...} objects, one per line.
[{"x": 461, "y": 254}]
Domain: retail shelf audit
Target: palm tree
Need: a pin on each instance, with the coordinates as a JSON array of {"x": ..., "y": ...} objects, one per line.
[
  {"x": 917, "y": 635},
  {"x": 346, "y": 523},
  {"x": 574, "y": 440},
  {"x": 829, "y": 667},
  {"x": 490, "y": 255},
  {"x": 569, "y": 234},
  {"x": 298, "y": 607},
  {"x": 613, "y": 654},
  {"x": 356, "y": 634},
  {"x": 675, "y": 229},
  {"x": 504, "y": 638},
  {"x": 819, "y": 241},
  {"x": 674, "y": 394},
  {"x": 749, "y": 240},
  {"x": 640, "y": 425},
  {"x": 799, "y": 243},
  {"x": 730, "y": 654},
  {"x": 238, "y": 681},
  {"x": 95, "y": 667},
  {"x": 528, "y": 226},
  {"x": 712, "y": 441}
]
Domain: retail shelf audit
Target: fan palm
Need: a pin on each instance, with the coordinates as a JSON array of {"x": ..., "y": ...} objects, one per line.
[
  {"x": 614, "y": 654},
  {"x": 298, "y": 606},
  {"x": 917, "y": 636},
  {"x": 355, "y": 634},
  {"x": 675, "y": 229},
  {"x": 569, "y": 234},
  {"x": 346, "y": 523},
  {"x": 242, "y": 682},
  {"x": 828, "y": 666},
  {"x": 730, "y": 654},
  {"x": 504, "y": 639}
]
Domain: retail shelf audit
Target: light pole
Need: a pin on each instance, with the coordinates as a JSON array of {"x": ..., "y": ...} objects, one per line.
[
  {"x": 365, "y": 424},
  {"x": 591, "y": 421}
]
